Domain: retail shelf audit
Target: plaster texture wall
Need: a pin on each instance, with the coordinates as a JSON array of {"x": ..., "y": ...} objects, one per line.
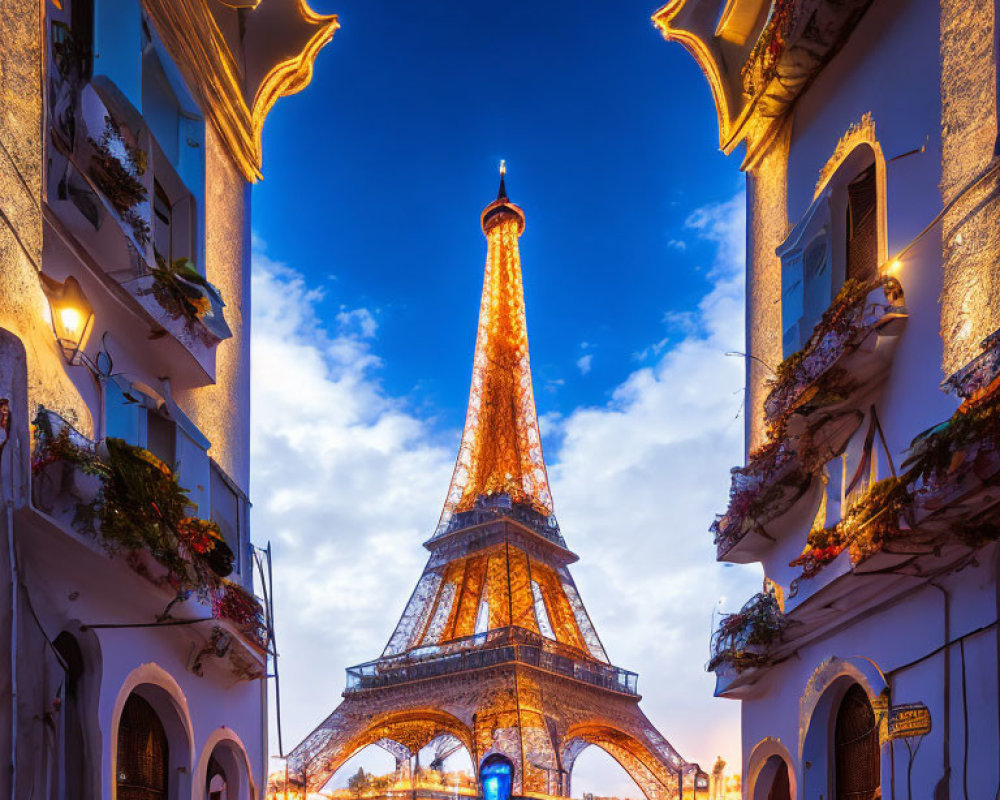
[
  {"x": 767, "y": 225},
  {"x": 23, "y": 307},
  {"x": 970, "y": 295}
]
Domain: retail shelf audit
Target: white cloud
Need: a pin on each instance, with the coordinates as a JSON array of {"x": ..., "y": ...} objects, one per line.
[
  {"x": 677, "y": 244},
  {"x": 358, "y": 322},
  {"x": 636, "y": 485},
  {"x": 583, "y": 363},
  {"x": 347, "y": 483}
]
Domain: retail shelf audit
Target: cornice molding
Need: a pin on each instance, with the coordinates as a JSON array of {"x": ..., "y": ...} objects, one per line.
[{"x": 217, "y": 81}]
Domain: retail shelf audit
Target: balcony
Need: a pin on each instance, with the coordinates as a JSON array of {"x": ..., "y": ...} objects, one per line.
[
  {"x": 765, "y": 490},
  {"x": 941, "y": 508},
  {"x": 817, "y": 402},
  {"x": 744, "y": 641},
  {"x": 98, "y": 202},
  {"x": 121, "y": 500},
  {"x": 496, "y": 647}
]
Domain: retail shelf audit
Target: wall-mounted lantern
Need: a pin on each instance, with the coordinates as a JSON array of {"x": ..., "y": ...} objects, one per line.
[{"x": 72, "y": 315}]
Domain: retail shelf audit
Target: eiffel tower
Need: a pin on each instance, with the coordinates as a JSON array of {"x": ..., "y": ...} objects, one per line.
[{"x": 495, "y": 650}]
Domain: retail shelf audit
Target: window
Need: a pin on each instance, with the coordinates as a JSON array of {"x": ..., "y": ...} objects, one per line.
[
  {"x": 856, "y": 748},
  {"x": 142, "y": 767},
  {"x": 162, "y": 218},
  {"x": 226, "y": 513},
  {"x": 836, "y": 240},
  {"x": 806, "y": 276},
  {"x": 862, "y": 230},
  {"x": 82, "y": 27},
  {"x": 161, "y": 438}
]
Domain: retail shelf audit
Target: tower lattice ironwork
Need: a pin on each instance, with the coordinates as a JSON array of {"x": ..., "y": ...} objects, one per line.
[{"x": 495, "y": 648}]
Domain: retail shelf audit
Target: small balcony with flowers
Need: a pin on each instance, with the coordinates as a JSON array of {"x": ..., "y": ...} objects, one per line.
[
  {"x": 747, "y": 641},
  {"x": 935, "y": 513},
  {"x": 118, "y": 521},
  {"x": 817, "y": 401},
  {"x": 124, "y": 199},
  {"x": 931, "y": 516}
]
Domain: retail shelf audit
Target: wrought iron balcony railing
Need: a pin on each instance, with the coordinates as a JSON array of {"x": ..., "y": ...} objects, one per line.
[{"x": 493, "y": 648}]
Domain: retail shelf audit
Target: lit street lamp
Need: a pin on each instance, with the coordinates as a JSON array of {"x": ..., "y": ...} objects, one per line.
[{"x": 72, "y": 315}]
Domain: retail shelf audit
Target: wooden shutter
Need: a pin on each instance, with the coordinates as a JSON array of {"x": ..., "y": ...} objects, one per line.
[{"x": 862, "y": 227}]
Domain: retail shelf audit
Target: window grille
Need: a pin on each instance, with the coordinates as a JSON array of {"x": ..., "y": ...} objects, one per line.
[{"x": 862, "y": 250}]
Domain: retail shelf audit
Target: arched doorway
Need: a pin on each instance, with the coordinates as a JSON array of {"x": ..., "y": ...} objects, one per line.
[
  {"x": 496, "y": 775},
  {"x": 142, "y": 769},
  {"x": 773, "y": 782},
  {"x": 856, "y": 757},
  {"x": 74, "y": 769},
  {"x": 217, "y": 784}
]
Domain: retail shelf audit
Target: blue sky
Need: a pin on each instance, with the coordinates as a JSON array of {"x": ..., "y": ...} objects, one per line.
[
  {"x": 376, "y": 174},
  {"x": 368, "y": 263}
]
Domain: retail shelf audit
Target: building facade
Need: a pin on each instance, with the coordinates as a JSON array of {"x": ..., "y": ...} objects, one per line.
[
  {"x": 135, "y": 646},
  {"x": 867, "y": 666}
]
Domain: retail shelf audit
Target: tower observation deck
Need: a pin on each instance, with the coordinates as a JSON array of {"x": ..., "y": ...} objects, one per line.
[{"x": 495, "y": 648}]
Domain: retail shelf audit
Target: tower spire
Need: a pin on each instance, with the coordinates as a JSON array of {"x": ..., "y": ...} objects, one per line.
[
  {"x": 500, "y": 458},
  {"x": 502, "y": 191}
]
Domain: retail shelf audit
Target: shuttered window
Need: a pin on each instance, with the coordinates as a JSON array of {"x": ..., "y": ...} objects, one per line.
[
  {"x": 862, "y": 250},
  {"x": 856, "y": 748}
]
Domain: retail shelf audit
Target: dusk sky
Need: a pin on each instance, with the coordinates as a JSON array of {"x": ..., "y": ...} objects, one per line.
[{"x": 367, "y": 274}]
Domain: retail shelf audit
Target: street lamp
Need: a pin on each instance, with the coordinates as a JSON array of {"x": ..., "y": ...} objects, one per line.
[{"x": 72, "y": 315}]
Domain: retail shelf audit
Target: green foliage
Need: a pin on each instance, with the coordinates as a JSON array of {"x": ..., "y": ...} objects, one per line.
[
  {"x": 935, "y": 450},
  {"x": 182, "y": 290}
]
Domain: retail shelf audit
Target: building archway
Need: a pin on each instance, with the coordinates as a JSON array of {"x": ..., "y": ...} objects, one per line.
[
  {"x": 153, "y": 687},
  {"x": 774, "y": 781},
  {"x": 223, "y": 771},
  {"x": 770, "y": 771},
  {"x": 142, "y": 770},
  {"x": 841, "y": 711}
]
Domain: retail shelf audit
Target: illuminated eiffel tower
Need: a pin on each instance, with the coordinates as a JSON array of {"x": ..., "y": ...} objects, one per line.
[{"x": 495, "y": 649}]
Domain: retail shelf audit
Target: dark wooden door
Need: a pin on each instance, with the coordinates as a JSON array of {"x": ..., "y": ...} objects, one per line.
[
  {"x": 142, "y": 766},
  {"x": 856, "y": 748}
]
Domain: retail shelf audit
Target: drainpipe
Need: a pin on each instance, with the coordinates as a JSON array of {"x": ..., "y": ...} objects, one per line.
[
  {"x": 942, "y": 791},
  {"x": 14, "y": 602}
]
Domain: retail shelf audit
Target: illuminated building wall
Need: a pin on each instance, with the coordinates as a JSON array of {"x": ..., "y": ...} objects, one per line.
[
  {"x": 970, "y": 297},
  {"x": 129, "y": 138},
  {"x": 873, "y": 242}
]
